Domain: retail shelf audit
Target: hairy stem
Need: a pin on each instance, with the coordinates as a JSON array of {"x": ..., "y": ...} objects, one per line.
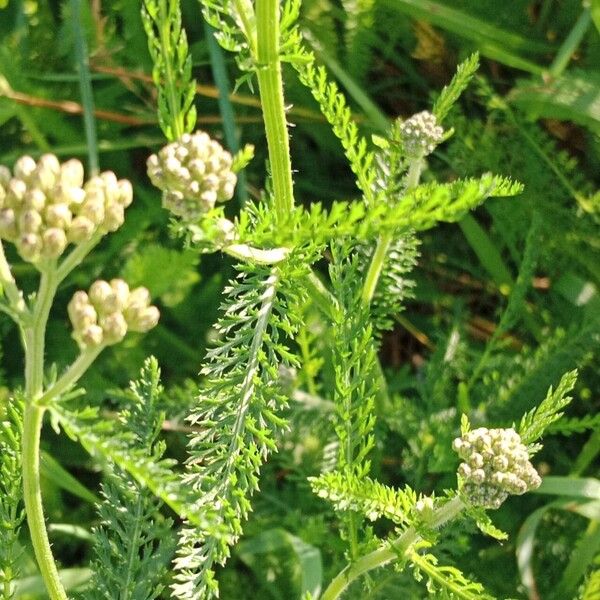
[
  {"x": 384, "y": 241},
  {"x": 392, "y": 551},
  {"x": 270, "y": 85},
  {"x": 34, "y": 338}
]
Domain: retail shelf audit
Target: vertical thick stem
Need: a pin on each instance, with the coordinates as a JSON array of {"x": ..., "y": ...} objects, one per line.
[
  {"x": 34, "y": 337},
  {"x": 270, "y": 84}
]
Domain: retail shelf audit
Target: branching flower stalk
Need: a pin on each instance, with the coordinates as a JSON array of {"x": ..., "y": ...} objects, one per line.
[
  {"x": 394, "y": 550},
  {"x": 44, "y": 207}
]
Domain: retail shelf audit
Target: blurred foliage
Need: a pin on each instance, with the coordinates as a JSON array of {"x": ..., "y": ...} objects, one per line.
[{"x": 504, "y": 303}]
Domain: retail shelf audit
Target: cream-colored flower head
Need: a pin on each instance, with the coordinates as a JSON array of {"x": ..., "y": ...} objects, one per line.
[
  {"x": 45, "y": 205},
  {"x": 421, "y": 134},
  {"x": 194, "y": 173},
  {"x": 496, "y": 464},
  {"x": 108, "y": 311}
]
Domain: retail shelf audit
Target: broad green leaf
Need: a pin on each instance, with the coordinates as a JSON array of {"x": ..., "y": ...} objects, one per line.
[
  {"x": 576, "y": 487},
  {"x": 52, "y": 470},
  {"x": 574, "y": 97},
  {"x": 71, "y": 579},
  {"x": 286, "y": 564}
]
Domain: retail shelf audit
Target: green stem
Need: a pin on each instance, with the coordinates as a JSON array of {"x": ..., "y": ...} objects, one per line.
[
  {"x": 375, "y": 268},
  {"x": 85, "y": 87},
  {"x": 170, "y": 80},
  {"x": 384, "y": 241},
  {"x": 71, "y": 375},
  {"x": 34, "y": 337},
  {"x": 571, "y": 43},
  {"x": 270, "y": 85},
  {"x": 393, "y": 551}
]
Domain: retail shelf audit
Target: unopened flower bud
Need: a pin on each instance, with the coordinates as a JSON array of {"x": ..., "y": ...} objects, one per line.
[
  {"x": 114, "y": 327},
  {"x": 145, "y": 319},
  {"x": 5, "y": 176},
  {"x": 30, "y": 221},
  {"x": 92, "y": 336},
  {"x": 93, "y": 209},
  {"x": 8, "y": 224},
  {"x": 425, "y": 508},
  {"x": 34, "y": 199},
  {"x": 47, "y": 172},
  {"x": 29, "y": 246},
  {"x": 114, "y": 216},
  {"x": 58, "y": 215},
  {"x": 82, "y": 314},
  {"x": 139, "y": 298},
  {"x": 225, "y": 232},
  {"x": 17, "y": 189},
  {"x": 54, "y": 242},
  {"x": 121, "y": 293},
  {"x": 71, "y": 173},
  {"x": 81, "y": 230},
  {"x": 125, "y": 193},
  {"x": 101, "y": 295},
  {"x": 24, "y": 167}
]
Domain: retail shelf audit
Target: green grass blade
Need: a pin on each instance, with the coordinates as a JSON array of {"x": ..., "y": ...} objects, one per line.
[{"x": 85, "y": 86}]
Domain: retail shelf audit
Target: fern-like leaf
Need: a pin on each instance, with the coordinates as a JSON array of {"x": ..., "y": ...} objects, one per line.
[
  {"x": 444, "y": 582},
  {"x": 172, "y": 71},
  {"x": 133, "y": 543},
  {"x": 535, "y": 422},
  {"x": 354, "y": 362},
  {"x": 99, "y": 438},
  {"x": 451, "y": 93},
  {"x": 366, "y": 496},
  {"x": 11, "y": 511},
  {"x": 238, "y": 417}
]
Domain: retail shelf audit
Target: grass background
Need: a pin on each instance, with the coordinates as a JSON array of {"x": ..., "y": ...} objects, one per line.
[{"x": 516, "y": 314}]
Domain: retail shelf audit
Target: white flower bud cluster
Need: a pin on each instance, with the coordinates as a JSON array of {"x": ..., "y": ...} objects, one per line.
[
  {"x": 108, "y": 311},
  {"x": 45, "y": 205},
  {"x": 421, "y": 134},
  {"x": 194, "y": 173},
  {"x": 496, "y": 464}
]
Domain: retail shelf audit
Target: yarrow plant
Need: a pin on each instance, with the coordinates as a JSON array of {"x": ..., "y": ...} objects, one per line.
[{"x": 242, "y": 410}]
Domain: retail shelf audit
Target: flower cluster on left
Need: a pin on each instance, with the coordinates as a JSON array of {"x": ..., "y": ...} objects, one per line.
[{"x": 46, "y": 205}]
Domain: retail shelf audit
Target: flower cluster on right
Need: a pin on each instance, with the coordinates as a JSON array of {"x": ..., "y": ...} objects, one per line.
[
  {"x": 194, "y": 173},
  {"x": 496, "y": 464},
  {"x": 105, "y": 314},
  {"x": 421, "y": 134}
]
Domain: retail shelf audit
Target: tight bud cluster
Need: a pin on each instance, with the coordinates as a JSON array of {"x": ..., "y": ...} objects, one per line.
[
  {"x": 194, "y": 173},
  {"x": 421, "y": 134},
  {"x": 45, "y": 205},
  {"x": 105, "y": 314},
  {"x": 496, "y": 464}
]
